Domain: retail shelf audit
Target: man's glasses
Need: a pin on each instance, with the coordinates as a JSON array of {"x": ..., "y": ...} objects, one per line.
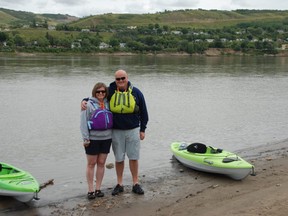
[
  {"x": 101, "y": 91},
  {"x": 120, "y": 78}
]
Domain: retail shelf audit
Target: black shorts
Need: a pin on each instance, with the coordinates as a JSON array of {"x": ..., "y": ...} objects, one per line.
[{"x": 98, "y": 146}]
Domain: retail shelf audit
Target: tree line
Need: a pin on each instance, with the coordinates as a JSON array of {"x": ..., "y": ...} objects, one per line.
[{"x": 250, "y": 37}]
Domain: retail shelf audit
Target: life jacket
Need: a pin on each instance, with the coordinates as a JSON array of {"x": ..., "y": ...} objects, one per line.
[
  {"x": 197, "y": 148},
  {"x": 123, "y": 102},
  {"x": 100, "y": 119}
]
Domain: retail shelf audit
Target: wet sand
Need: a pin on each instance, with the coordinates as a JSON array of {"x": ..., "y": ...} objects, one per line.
[{"x": 186, "y": 192}]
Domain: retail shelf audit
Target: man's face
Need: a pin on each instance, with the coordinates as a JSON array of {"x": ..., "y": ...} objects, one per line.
[{"x": 121, "y": 80}]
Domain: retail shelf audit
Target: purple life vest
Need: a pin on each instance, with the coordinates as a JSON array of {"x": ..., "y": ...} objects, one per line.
[{"x": 101, "y": 119}]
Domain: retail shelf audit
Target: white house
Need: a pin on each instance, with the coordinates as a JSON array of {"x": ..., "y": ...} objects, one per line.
[{"x": 103, "y": 45}]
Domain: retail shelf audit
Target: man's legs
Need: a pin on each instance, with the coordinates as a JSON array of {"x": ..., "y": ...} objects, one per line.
[
  {"x": 133, "y": 164},
  {"x": 119, "y": 172},
  {"x": 134, "y": 171},
  {"x": 133, "y": 153},
  {"x": 118, "y": 146}
]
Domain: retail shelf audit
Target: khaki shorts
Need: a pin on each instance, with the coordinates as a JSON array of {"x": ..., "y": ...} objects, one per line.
[{"x": 126, "y": 142}]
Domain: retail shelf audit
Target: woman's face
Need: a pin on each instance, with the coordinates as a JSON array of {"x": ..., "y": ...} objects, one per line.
[{"x": 101, "y": 93}]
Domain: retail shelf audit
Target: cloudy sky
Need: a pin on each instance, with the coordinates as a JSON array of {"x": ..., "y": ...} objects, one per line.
[{"x": 81, "y": 8}]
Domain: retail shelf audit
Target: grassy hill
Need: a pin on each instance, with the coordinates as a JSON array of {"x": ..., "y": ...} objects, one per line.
[
  {"x": 259, "y": 31},
  {"x": 183, "y": 18},
  {"x": 6, "y": 18},
  {"x": 14, "y": 18}
]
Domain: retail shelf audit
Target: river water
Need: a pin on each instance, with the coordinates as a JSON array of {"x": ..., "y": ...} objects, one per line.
[{"x": 227, "y": 102}]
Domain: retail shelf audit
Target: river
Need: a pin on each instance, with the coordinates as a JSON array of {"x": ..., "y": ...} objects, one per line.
[{"x": 225, "y": 101}]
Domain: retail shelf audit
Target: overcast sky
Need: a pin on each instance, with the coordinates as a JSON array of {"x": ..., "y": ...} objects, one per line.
[{"x": 81, "y": 8}]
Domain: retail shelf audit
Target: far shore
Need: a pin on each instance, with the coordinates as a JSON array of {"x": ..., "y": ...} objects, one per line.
[{"x": 210, "y": 52}]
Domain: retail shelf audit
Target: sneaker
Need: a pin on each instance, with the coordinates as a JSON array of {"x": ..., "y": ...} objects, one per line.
[
  {"x": 91, "y": 195},
  {"x": 98, "y": 193},
  {"x": 118, "y": 189},
  {"x": 137, "y": 189}
]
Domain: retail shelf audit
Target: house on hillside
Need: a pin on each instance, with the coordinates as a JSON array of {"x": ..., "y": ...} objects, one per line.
[
  {"x": 284, "y": 47},
  {"x": 104, "y": 45},
  {"x": 176, "y": 32},
  {"x": 75, "y": 44},
  {"x": 131, "y": 27},
  {"x": 51, "y": 27},
  {"x": 122, "y": 45},
  {"x": 210, "y": 40}
]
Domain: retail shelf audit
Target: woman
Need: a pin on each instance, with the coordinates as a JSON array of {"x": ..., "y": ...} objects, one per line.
[{"x": 96, "y": 123}]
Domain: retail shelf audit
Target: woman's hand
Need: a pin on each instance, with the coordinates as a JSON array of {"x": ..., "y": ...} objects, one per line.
[{"x": 86, "y": 143}]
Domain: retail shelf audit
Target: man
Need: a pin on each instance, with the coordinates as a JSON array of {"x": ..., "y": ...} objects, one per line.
[
  {"x": 130, "y": 118},
  {"x": 127, "y": 126}
]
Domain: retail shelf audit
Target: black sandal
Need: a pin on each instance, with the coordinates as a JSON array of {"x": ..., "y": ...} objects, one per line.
[
  {"x": 98, "y": 193},
  {"x": 91, "y": 195}
]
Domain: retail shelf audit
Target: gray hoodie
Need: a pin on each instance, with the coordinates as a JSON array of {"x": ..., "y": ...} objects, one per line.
[{"x": 84, "y": 118}]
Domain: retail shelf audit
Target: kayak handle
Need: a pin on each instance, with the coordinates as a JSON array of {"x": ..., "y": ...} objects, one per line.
[{"x": 208, "y": 161}]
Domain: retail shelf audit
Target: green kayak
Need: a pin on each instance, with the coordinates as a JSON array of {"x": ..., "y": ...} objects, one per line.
[
  {"x": 200, "y": 157},
  {"x": 17, "y": 183}
]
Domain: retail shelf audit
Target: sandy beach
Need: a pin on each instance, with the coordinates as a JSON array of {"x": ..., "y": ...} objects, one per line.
[{"x": 187, "y": 192}]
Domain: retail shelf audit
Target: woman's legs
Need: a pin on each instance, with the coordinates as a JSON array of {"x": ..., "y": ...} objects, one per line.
[
  {"x": 101, "y": 160},
  {"x": 91, "y": 162}
]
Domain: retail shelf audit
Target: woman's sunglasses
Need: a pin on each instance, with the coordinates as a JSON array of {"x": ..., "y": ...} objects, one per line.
[{"x": 103, "y": 92}]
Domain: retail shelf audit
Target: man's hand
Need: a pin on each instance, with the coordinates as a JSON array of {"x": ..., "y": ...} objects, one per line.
[
  {"x": 83, "y": 105},
  {"x": 142, "y": 135}
]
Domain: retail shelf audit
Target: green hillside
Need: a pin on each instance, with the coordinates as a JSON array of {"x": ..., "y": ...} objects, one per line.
[
  {"x": 6, "y": 18},
  {"x": 190, "y": 31},
  {"x": 12, "y": 18},
  {"x": 183, "y": 18}
]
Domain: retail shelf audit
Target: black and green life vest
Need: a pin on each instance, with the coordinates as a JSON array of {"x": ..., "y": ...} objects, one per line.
[{"x": 123, "y": 102}]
